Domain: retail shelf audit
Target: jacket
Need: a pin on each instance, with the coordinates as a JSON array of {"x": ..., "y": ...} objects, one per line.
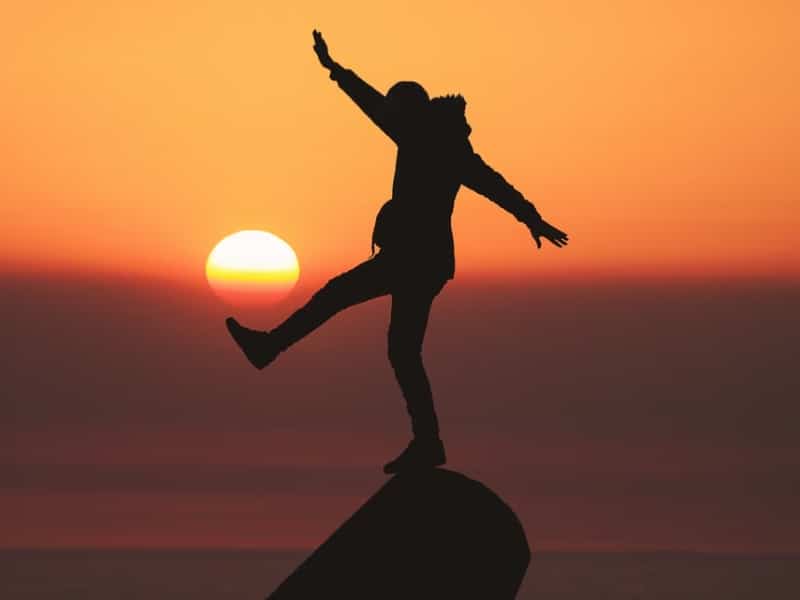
[{"x": 434, "y": 158}]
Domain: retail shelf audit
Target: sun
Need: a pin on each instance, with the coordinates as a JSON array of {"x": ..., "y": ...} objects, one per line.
[{"x": 251, "y": 268}]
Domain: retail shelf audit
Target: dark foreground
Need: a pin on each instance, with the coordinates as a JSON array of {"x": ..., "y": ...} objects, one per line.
[{"x": 250, "y": 575}]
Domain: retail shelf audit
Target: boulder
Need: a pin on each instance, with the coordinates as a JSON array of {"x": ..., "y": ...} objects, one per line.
[{"x": 430, "y": 534}]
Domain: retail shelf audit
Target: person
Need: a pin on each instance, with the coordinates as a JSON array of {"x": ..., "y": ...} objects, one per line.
[{"x": 413, "y": 230}]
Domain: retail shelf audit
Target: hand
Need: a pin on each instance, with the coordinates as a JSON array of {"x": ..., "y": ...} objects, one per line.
[
  {"x": 321, "y": 48},
  {"x": 543, "y": 229}
]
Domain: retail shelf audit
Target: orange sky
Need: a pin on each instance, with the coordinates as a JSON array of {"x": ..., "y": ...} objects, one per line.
[{"x": 661, "y": 137}]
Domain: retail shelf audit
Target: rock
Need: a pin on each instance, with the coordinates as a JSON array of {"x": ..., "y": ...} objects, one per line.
[{"x": 432, "y": 534}]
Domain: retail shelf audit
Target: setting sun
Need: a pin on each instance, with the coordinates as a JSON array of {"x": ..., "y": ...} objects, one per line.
[{"x": 252, "y": 268}]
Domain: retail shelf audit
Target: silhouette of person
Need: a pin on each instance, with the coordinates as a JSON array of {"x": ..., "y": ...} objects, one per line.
[{"x": 413, "y": 231}]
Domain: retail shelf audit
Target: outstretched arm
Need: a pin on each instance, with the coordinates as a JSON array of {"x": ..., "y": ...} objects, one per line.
[
  {"x": 481, "y": 178},
  {"x": 368, "y": 99}
]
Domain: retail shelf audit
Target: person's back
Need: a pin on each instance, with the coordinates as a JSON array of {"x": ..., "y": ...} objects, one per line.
[{"x": 431, "y": 157}]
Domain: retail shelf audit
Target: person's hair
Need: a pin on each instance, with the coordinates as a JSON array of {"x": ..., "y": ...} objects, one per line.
[
  {"x": 448, "y": 111},
  {"x": 455, "y": 101}
]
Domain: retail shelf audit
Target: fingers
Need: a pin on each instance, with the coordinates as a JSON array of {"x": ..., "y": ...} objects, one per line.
[
  {"x": 556, "y": 237},
  {"x": 321, "y": 49},
  {"x": 555, "y": 231}
]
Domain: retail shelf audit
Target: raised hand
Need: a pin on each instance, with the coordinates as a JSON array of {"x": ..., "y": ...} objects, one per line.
[
  {"x": 543, "y": 229},
  {"x": 321, "y": 48}
]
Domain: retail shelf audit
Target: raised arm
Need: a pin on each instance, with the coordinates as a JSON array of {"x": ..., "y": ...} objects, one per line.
[
  {"x": 368, "y": 99},
  {"x": 481, "y": 178}
]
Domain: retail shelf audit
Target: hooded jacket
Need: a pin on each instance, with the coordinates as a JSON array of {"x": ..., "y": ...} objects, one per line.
[{"x": 434, "y": 158}]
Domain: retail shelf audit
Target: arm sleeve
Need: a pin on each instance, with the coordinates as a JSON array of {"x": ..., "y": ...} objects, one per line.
[
  {"x": 481, "y": 178},
  {"x": 368, "y": 99}
]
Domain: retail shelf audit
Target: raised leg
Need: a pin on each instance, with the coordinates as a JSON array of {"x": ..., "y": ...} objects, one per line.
[{"x": 366, "y": 281}]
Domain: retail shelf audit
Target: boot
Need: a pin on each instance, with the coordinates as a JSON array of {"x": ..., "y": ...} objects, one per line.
[{"x": 258, "y": 346}]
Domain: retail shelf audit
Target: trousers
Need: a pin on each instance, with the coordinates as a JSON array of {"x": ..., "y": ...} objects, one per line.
[{"x": 412, "y": 298}]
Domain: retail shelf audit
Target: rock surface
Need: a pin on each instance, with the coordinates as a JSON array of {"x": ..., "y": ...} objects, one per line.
[{"x": 433, "y": 534}]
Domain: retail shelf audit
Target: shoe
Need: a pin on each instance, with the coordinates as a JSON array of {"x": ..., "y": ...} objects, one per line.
[
  {"x": 257, "y": 346},
  {"x": 421, "y": 453}
]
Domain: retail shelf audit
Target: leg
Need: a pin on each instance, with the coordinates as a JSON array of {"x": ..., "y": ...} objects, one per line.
[
  {"x": 364, "y": 282},
  {"x": 367, "y": 280},
  {"x": 410, "y": 310}
]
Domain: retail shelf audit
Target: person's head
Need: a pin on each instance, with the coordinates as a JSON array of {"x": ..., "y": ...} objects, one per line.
[{"x": 408, "y": 100}]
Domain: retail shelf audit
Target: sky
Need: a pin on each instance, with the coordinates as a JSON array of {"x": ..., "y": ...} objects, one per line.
[{"x": 633, "y": 390}]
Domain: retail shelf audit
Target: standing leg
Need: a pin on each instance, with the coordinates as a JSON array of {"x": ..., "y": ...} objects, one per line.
[
  {"x": 410, "y": 311},
  {"x": 364, "y": 282}
]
